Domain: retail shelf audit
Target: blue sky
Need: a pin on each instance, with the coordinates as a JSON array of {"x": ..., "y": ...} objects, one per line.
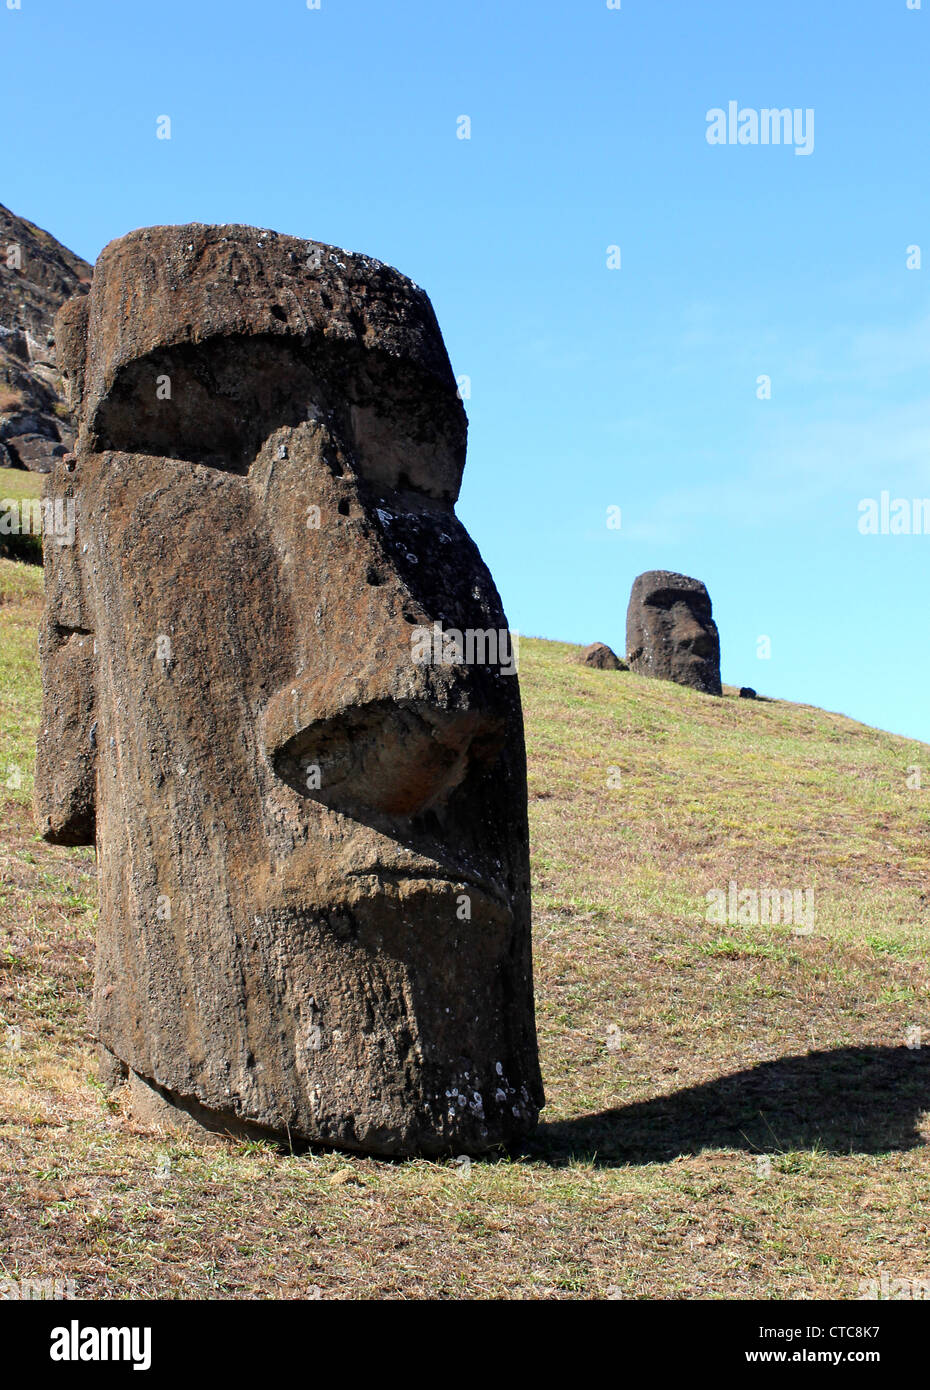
[{"x": 590, "y": 387}]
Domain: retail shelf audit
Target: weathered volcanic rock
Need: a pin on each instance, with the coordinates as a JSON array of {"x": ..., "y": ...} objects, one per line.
[
  {"x": 37, "y": 275},
  {"x": 670, "y": 633},
  {"x": 313, "y": 848},
  {"x": 600, "y": 656}
]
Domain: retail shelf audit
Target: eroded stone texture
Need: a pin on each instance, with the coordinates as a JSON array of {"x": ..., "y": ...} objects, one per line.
[
  {"x": 37, "y": 275},
  {"x": 293, "y": 817},
  {"x": 602, "y": 658},
  {"x": 670, "y": 632}
]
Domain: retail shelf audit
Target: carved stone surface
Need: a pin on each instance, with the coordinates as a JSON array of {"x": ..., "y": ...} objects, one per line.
[
  {"x": 313, "y": 847},
  {"x": 670, "y": 632}
]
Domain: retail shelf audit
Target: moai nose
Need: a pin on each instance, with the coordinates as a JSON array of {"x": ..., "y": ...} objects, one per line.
[
  {"x": 398, "y": 758},
  {"x": 693, "y": 636}
]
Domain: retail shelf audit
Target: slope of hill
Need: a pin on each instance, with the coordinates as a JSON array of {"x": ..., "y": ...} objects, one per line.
[
  {"x": 37, "y": 275},
  {"x": 737, "y": 1109},
  {"x": 21, "y": 515}
]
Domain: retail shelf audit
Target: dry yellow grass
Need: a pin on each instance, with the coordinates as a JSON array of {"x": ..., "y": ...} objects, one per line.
[{"x": 734, "y": 1109}]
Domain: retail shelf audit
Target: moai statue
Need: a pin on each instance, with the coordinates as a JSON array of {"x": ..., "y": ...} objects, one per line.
[
  {"x": 312, "y": 840},
  {"x": 670, "y": 633}
]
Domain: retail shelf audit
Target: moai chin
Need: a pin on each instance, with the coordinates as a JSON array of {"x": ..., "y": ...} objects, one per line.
[
  {"x": 670, "y": 631},
  {"x": 312, "y": 843}
]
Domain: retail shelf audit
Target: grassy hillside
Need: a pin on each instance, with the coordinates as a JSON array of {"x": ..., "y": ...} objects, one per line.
[
  {"x": 19, "y": 487},
  {"x": 734, "y": 1111}
]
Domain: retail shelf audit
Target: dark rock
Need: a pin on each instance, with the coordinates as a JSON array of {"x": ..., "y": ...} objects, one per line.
[
  {"x": 670, "y": 633},
  {"x": 34, "y": 451},
  {"x": 19, "y": 422},
  {"x": 48, "y": 274},
  {"x": 31, "y": 292},
  {"x": 13, "y": 341},
  {"x": 600, "y": 656},
  {"x": 747, "y": 693},
  {"x": 313, "y": 849}
]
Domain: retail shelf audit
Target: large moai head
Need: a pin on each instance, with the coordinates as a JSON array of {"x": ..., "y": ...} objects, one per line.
[
  {"x": 311, "y": 824},
  {"x": 670, "y": 633}
]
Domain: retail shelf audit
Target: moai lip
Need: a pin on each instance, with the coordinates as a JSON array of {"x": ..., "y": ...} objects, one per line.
[
  {"x": 670, "y": 631},
  {"x": 313, "y": 849}
]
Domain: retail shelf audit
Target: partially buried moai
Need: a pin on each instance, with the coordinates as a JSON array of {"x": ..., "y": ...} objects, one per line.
[
  {"x": 312, "y": 840},
  {"x": 670, "y": 631}
]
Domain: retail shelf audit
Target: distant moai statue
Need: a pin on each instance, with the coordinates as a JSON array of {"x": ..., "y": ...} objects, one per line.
[{"x": 671, "y": 633}]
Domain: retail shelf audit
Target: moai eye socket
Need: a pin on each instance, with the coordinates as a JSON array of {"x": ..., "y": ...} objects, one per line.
[
  {"x": 196, "y": 348},
  {"x": 215, "y": 402},
  {"x": 211, "y": 402}
]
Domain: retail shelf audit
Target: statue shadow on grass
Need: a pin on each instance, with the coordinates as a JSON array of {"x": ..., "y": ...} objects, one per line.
[{"x": 864, "y": 1100}]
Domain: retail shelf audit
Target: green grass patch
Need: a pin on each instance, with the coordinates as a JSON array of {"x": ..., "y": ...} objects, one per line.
[{"x": 21, "y": 515}]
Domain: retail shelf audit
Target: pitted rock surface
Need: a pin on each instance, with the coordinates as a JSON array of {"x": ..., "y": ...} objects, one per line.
[
  {"x": 313, "y": 850},
  {"x": 37, "y": 275}
]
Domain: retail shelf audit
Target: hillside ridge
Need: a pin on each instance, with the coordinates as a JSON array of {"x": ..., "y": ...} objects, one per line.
[{"x": 37, "y": 275}]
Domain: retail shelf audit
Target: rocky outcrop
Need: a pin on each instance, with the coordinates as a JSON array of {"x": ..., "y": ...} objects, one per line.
[
  {"x": 37, "y": 275},
  {"x": 671, "y": 633},
  {"x": 313, "y": 848},
  {"x": 599, "y": 656}
]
